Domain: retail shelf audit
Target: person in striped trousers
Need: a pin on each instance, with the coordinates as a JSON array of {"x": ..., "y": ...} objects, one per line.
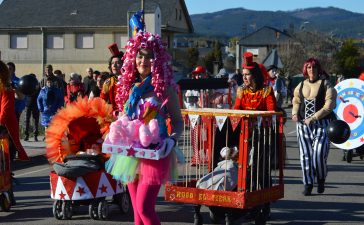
[{"x": 313, "y": 104}]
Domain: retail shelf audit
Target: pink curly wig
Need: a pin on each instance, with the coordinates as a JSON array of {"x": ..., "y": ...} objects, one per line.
[
  {"x": 162, "y": 75},
  {"x": 313, "y": 62}
]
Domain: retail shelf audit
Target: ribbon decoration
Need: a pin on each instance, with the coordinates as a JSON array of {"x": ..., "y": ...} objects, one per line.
[
  {"x": 220, "y": 121},
  {"x": 193, "y": 119},
  {"x": 235, "y": 120}
]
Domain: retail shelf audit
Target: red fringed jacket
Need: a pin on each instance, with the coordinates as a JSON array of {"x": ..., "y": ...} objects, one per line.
[{"x": 261, "y": 100}]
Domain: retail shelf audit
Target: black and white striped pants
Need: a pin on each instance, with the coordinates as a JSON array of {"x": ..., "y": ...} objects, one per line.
[{"x": 314, "y": 150}]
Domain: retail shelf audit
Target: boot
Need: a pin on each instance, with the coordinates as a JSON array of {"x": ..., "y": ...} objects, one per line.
[
  {"x": 308, "y": 189},
  {"x": 26, "y": 138},
  {"x": 321, "y": 186},
  {"x": 35, "y": 138}
]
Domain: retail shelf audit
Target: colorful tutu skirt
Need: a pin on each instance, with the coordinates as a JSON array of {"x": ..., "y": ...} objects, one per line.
[{"x": 147, "y": 171}]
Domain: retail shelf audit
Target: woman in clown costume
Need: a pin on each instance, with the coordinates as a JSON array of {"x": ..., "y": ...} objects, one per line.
[{"x": 146, "y": 91}]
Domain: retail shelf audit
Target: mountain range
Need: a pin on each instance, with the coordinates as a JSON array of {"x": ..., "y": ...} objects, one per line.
[{"x": 239, "y": 22}]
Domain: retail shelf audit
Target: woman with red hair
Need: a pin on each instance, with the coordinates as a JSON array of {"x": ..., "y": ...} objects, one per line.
[
  {"x": 146, "y": 91},
  {"x": 313, "y": 102}
]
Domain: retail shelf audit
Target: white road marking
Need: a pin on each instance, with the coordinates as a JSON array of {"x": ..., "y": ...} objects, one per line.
[{"x": 35, "y": 171}]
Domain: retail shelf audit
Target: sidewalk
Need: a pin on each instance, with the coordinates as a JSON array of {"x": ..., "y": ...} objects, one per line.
[{"x": 33, "y": 148}]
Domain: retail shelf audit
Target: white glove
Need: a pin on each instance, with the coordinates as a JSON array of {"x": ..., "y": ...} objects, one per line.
[{"x": 166, "y": 147}]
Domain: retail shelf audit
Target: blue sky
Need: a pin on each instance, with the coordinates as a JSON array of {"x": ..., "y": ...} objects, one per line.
[{"x": 208, "y": 6}]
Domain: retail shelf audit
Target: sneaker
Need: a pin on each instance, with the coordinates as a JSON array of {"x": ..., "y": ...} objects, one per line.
[
  {"x": 308, "y": 189},
  {"x": 26, "y": 138},
  {"x": 35, "y": 138},
  {"x": 321, "y": 186}
]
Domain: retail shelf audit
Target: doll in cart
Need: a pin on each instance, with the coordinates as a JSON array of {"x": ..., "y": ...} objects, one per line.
[
  {"x": 225, "y": 174},
  {"x": 74, "y": 140}
]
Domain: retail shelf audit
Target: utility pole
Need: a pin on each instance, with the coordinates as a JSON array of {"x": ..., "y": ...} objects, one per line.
[{"x": 142, "y": 7}]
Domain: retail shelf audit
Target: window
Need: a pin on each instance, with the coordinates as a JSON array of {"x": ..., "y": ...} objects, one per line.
[
  {"x": 55, "y": 41},
  {"x": 120, "y": 39},
  {"x": 18, "y": 41},
  {"x": 84, "y": 41},
  {"x": 255, "y": 51}
]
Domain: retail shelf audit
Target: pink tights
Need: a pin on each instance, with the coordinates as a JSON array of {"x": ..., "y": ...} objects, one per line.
[{"x": 143, "y": 198}]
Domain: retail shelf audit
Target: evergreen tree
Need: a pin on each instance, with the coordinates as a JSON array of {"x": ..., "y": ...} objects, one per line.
[
  {"x": 347, "y": 59},
  {"x": 193, "y": 55}
]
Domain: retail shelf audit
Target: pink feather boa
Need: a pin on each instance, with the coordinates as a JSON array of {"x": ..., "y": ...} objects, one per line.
[{"x": 162, "y": 74}]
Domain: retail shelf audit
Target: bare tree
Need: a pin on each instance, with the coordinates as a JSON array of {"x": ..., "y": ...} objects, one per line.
[{"x": 306, "y": 45}]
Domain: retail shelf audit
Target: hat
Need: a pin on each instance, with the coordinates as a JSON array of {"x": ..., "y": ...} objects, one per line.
[
  {"x": 361, "y": 77},
  {"x": 114, "y": 49},
  {"x": 248, "y": 61},
  {"x": 227, "y": 152},
  {"x": 271, "y": 67},
  {"x": 199, "y": 69},
  {"x": 75, "y": 77}
]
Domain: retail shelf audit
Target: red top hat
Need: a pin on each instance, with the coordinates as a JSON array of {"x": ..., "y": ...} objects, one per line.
[
  {"x": 248, "y": 61},
  {"x": 114, "y": 49}
]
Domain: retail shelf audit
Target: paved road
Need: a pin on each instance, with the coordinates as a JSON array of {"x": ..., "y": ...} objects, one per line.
[{"x": 342, "y": 202}]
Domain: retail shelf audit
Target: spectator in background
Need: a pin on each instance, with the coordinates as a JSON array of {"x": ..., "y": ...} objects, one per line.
[
  {"x": 55, "y": 81},
  {"x": 75, "y": 88},
  {"x": 88, "y": 81},
  {"x": 49, "y": 100},
  {"x": 220, "y": 99},
  {"x": 32, "y": 110},
  {"x": 96, "y": 90},
  {"x": 61, "y": 76},
  {"x": 19, "y": 97},
  {"x": 95, "y": 75},
  {"x": 277, "y": 82}
]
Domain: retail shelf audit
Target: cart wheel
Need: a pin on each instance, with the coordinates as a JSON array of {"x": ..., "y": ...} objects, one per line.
[
  {"x": 344, "y": 156},
  {"x": 103, "y": 210},
  {"x": 266, "y": 211},
  {"x": 228, "y": 219},
  {"x": 214, "y": 218},
  {"x": 197, "y": 217},
  {"x": 75, "y": 207},
  {"x": 5, "y": 203},
  {"x": 57, "y": 209},
  {"x": 349, "y": 156},
  {"x": 124, "y": 202},
  {"x": 67, "y": 210},
  {"x": 262, "y": 215},
  {"x": 93, "y": 210}
]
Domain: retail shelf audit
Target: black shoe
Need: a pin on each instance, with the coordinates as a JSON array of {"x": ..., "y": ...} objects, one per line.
[
  {"x": 321, "y": 186},
  {"x": 35, "y": 138},
  {"x": 308, "y": 189},
  {"x": 26, "y": 138}
]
